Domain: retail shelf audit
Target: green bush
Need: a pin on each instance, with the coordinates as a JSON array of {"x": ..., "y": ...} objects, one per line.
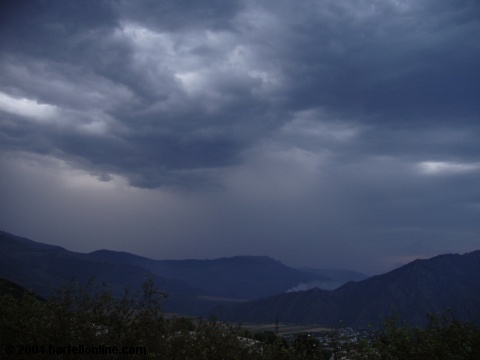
[
  {"x": 443, "y": 338},
  {"x": 75, "y": 316},
  {"x": 90, "y": 316}
]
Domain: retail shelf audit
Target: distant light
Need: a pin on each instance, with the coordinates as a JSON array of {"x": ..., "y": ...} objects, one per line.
[
  {"x": 26, "y": 107},
  {"x": 443, "y": 167}
]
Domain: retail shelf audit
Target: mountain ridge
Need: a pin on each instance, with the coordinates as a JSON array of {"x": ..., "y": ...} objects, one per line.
[
  {"x": 228, "y": 277},
  {"x": 195, "y": 286},
  {"x": 260, "y": 284},
  {"x": 448, "y": 281}
]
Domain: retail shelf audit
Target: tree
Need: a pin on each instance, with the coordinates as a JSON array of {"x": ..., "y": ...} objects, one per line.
[
  {"x": 443, "y": 338},
  {"x": 307, "y": 347}
]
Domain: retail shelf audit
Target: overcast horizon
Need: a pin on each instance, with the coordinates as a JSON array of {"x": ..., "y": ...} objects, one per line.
[{"x": 327, "y": 134}]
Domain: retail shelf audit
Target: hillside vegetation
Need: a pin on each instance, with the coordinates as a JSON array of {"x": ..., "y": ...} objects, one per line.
[{"x": 80, "y": 321}]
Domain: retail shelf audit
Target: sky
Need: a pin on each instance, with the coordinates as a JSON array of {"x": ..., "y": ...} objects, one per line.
[{"x": 328, "y": 134}]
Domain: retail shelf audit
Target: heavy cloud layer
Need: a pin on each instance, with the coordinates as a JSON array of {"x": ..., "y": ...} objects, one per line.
[{"x": 317, "y": 131}]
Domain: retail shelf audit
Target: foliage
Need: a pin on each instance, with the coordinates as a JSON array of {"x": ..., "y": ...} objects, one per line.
[
  {"x": 307, "y": 347},
  {"x": 77, "y": 315},
  {"x": 91, "y": 316},
  {"x": 444, "y": 338}
]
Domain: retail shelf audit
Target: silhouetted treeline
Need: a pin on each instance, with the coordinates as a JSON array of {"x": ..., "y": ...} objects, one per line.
[{"x": 80, "y": 321}]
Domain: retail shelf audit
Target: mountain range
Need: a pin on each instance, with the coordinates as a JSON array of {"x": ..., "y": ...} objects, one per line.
[
  {"x": 258, "y": 288},
  {"x": 443, "y": 283},
  {"x": 196, "y": 287}
]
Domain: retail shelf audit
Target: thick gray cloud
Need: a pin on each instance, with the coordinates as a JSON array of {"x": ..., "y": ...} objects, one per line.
[{"x": 319, "y": 132}]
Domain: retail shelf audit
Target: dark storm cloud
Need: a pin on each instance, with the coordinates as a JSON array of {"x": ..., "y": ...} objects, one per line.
[
  {"x": 182, "y": 15},
  {"x": 56, "y": 30},
  {"x": 184, "y": 85},
  {"x": 120, "y": 62},
  {"x": 340, "y": 123},
  {"x": 395, "y": 60}
]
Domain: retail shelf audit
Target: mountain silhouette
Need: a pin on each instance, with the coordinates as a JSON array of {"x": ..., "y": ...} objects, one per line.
[{"x": 443, "y": 283}]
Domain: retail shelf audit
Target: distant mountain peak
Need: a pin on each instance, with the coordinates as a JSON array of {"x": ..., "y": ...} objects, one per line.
[
  {"x": 251, "y": 259},
  {"x": 449, "y": 281},
  {"x": 117, "y": 256},
  {"x": 6, "y": 237}
]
